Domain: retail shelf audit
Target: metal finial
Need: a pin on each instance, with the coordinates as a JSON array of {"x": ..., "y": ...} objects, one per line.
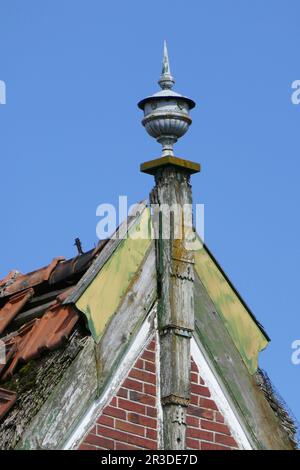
[
  {"x": 166, "y": 80},
  {"x": 166, "y": 113}
]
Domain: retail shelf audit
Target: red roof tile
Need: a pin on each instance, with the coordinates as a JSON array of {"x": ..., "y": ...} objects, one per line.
[
  {"x": 35, "y": 300},
  {"x": 24, "y": 281},
  {"x": 7, "y": 399},
  {"x": 47, "y": 333},
  {"x": 10, "y": 349},
  {"x": 12, "y": 307},
  {"x": 9, "y": 278}
]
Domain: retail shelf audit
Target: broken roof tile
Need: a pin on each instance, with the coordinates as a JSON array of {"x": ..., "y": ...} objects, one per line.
[
  {"x": 9, "y": 351},
  {"x": 47, "y": 333},
  {"x": 24, "y": 281},
  {"x": 11, "y": 276},
  {"x": 7, "y": 400},
  {"x": 34, "y": 300},
  {"x": 13, "y": 307},
  {"x": 67, "y": 269}
]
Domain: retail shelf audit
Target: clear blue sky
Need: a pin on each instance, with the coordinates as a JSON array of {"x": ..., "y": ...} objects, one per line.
[{"x": 71, "y": 138}]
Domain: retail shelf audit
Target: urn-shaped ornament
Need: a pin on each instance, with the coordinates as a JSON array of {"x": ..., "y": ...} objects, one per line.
[{"x": 166, "y": 113}]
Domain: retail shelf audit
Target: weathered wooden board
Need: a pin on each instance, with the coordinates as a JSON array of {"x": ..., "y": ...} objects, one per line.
[
  {"x": 127, "y": 319},
  {"x": 110, "y": 247},
  {"x": 245, "y": 333},
  {"x": 175, "y": 298},
  {"x": 263, "y": 427},
  {"x": 66, "y": 404},
  {"x": 104, "y": 294}
]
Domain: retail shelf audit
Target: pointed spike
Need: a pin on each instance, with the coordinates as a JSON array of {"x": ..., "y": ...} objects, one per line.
[
  {"x": 166, "y": 80},
  {"x": 166, "y": 64}
]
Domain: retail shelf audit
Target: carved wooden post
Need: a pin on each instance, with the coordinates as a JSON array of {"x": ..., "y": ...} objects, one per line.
[
  {"x": 172, "y": 199},
  {"x": 167, "y": 118}
]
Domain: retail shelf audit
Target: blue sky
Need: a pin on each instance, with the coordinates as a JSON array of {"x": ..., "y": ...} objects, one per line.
[{"x": 71, "y": 138}]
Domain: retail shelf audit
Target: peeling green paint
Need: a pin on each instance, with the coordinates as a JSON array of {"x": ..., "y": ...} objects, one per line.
[
  {"x": 245, "y": 333},
  {"x": 101, "y": 298}
]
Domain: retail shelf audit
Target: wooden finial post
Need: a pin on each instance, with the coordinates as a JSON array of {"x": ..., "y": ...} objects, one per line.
[{"x": 175, "y": 274}]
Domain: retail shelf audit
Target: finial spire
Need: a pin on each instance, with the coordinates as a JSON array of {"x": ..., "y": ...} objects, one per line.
[
  {"x": 166, "y": 80},
  {"x": 166, "y": 113}
]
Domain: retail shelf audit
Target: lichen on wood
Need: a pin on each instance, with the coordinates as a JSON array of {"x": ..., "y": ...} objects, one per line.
[{"x": 34, "y": 383}]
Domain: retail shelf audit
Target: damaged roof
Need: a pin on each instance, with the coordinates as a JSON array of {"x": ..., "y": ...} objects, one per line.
[
  {"x": 33, "y": 318},
  {"x": 49, "y": 308}
]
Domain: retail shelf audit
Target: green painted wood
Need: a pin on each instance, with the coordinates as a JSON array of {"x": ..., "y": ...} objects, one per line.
[
  {"x": 104, "y": 294},
  {"x": 244, "y": 331},
  {"x": 256, "y": 415}
]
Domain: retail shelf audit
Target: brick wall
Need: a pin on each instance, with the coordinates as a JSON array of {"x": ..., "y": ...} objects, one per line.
[
  {"x": 206, "y": 428},
  {"x": 129, "y": 421}
]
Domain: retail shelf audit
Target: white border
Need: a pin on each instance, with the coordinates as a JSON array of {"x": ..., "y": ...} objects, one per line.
[
  {"x": 218, "y": 396},
  {"x": 95, "y": 409},
  {"x": 215, "y": 388}
]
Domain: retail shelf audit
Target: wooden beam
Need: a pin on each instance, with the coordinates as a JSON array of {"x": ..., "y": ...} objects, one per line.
[{"x": 175, "y": 271}]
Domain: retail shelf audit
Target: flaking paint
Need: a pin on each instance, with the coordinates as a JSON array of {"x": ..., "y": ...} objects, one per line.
[
  {"x": 246, "y": 335},
  {"x": 102, "y": 297}
]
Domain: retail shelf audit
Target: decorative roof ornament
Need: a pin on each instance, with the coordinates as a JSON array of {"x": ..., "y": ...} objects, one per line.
[
  {"x": 166, "y": 81},
  {"x": 166, "y": 113}
]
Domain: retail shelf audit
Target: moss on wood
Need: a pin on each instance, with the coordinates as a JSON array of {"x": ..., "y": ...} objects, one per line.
[{"x": 34, "y": 383}]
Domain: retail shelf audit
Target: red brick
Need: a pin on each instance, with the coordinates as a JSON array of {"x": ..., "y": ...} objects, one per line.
[
  {"x": 129, "y": 427},
  {"x": 149, "y": 356},
  {"x": 123, "y": 446},
  {"x": 106, "y": 421},
  {"x": 226, "y": 440},
  {"x": 150, "y": 389},
  {"x": 151, "y": 412},
  {"x": 131, "y": 439},
  {"x": 123, "y": 392},
  {"x": 142, "y": 420},
  {"x": 87, "y": 447},
  {"x": 199, "y": 434},
  {"x": 99, "y": 441},
  {"x": 219, "y": 417},
  {"x": 208, "y": 446},
  {"x": 152, "y": 434},
  {"x": 116, "y": 412},
  {"x": 216, "y": 427},
  {"x": 194, "y": 377},
  {"x": 201, "y": 381},
  {"x": 112, "y": 433},
  {"x": 132, "y": 406},
  {"x": 191, "y": 421},
  {"x": 207, "y": 414},
  {"x": 192, "y": 443},
  {"x": 142, "y": 398},
  {"x": 194, "y": 400},
  {"x": 139, "y": 364},
  {"x": 208, "y": 404},
  {"x": 149, "y": 366},
  {"x": 202, "y": 413},
  {"x": 143, "y": 376},
  {"x": 133, "y": 385},
  {"x": 151, "y": 346},
  {"x": 113, "y": 402},
  {"x": 200, "y": 390}
]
